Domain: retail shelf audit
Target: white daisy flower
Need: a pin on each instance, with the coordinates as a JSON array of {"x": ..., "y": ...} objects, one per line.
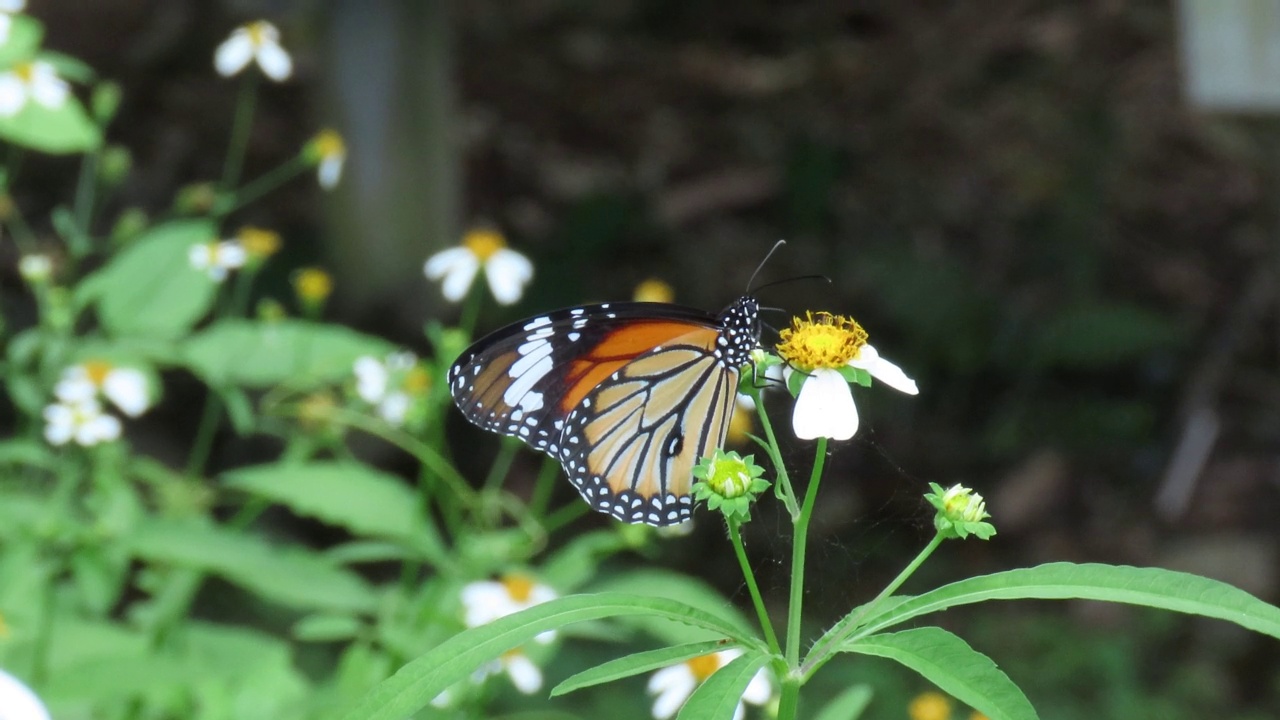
[
  {"x": 9, "y": 8},
  {"x": 524, "y": 675},
  {"x": 487, "y": 600},
  {"x": 390, "y": 385},
  {"x": 217, "y": 258},
  {"x": 506, "y": 270},
  {"x": 819, "y": 352},
  {"x": 256, "y": 41},
  {"x": 125, "y": 387},
  {"x": 35, "y": 268},
  {"x": 673, "y": 685},
  {"x": 328, "y": 152},
  {"x": 84, "y": 422},
  {"x": 17, "y": 702},
  {"x": 35, "y": 80}
]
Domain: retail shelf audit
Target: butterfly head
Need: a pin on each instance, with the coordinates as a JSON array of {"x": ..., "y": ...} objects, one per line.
[{"x": 741, "y": 331}]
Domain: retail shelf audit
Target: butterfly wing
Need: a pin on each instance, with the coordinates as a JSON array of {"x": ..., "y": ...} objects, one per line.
[{"x": 631, "y": 444}]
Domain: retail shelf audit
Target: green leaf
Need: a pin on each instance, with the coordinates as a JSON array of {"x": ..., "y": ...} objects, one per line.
[
  {"x": 65, "y": 129},
  {"x": 150, "y": 288},
  {"x": 24, "y": 39},
  {"x": 289, "y": 576},
  {"x": 637, "y": 663},
  {"x": 718, "y": 696},
  {"x": 263, "y": 355},
  {"x": 327, "y": 628},
  {"x": 1151, "y": 587},
  {"x": 350, "y": 495},
  {"x": 414, "y": 685},
  {"x": 957, "y": 669},
  {"x": 26, "y": 453},
  {"x": 848, "y": 705},
  {"x": 681, "y": 588}
]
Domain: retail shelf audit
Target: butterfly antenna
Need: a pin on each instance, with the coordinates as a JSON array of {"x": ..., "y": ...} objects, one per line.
[
  {"x": 783, "y": 281},
  {"x": 752, "y": 282}
]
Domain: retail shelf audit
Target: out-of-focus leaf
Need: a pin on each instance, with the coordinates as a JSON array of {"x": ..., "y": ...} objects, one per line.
[
  {"x": 64, "y": 129},
  {"x": 1098, "y": 335},
  {"x": 298, "y": 353}
]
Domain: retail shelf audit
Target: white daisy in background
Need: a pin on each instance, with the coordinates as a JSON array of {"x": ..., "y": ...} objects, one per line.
[
  {"x": 506, "y": 270},
  {"x": 825, "y": 353},
  {"x": 487, "y": 600},
  {"x": 673, "y": 685},
  {"x": 524, "y": 674},
  {"x": 9, "y": 8},
  {"x": 84, "y": 422},
  {"x": 390, "y": 385},
  {"x": 328, "y": 153},
  {"x": 28, "y": 81},
  {"x": 35, "y": 268},
  {"x": 217, "y": 258},
  {"x": 125, "y": 387},
  {"x": 17, "y": 702},
  {"x": 256, "y": 41}
]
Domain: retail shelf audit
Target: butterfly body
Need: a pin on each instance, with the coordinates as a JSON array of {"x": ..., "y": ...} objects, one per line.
[{"x": 626, "y": 396}]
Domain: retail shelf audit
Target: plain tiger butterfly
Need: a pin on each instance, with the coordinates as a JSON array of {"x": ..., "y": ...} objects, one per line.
[{"x": 627, "y": 396}]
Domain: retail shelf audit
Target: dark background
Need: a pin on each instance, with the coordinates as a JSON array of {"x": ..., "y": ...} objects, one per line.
[{"x": 1014, "y": 198}]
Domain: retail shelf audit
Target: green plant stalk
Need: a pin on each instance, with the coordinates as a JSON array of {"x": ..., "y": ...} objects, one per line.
[
  {"x": 260, "y": 186},
  {"x": 543, "y": 487},
  {"x": 239, "y": 143},
  {"x": 86, "y": 184},
  {"x": 766, "y": 625},
  {"x": 203, "y": 443},
  {"x": 824, "y": 651},
  {"x": 471, "y": 307},
  {"x": 785, "y": 491},
  {"x": 791, "y": 683}
]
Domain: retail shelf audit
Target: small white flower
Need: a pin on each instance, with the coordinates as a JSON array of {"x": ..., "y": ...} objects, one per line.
[
  {"x": 487, "y": 600},
  {"x": 8, "y": 8},
  {"x": 125, "y": 387},
  {"x": 329, "y": 153},
  {"x": 35, "y": 80},
  {"x": 216, "y": 258},
  {"x": 819, "y": 349},
  {"x": 525, "y": 676},
  {"x": 17, "y": 702},
  {"x": 389, "y": 385},
  {"x": 256, "y": 41},
  {"x": 35, "y": 268},
  {"x": 84, "y": 422},
  {"x": 506, "y": 270},
  {"x": 673, "y": 685}
]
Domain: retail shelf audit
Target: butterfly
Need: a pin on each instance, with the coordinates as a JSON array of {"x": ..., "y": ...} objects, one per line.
[{"x": 626, "y": 396}]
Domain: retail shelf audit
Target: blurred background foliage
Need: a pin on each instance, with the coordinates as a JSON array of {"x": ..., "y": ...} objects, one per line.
[{"x": 1013, "y": 197}]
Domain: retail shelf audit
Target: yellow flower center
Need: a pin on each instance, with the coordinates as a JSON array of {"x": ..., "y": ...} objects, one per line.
[
  {"x": 930, "y": 706},
  {"x": 97, "y": 371},
  {"x": 821, "y": 341},
  {"x": 654, "y": 290},
  {"x": 416, "y": 381},
  {"x": 703, "y": 666},
  {"x": 258, "y": 31},
  {"x": 519, "y": 587},
  {"x": 312, "y": 284},
  {"x": 484, "y": 243},
  {"x": 4, "y": 628},
  {"x": 25, "y": 71},
  {"x": 257, "y": 242},
  {"x": 328, "y": 143}
]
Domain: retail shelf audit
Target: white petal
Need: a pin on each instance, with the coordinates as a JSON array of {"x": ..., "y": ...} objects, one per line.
[
  {"x": 275, "y": 62},
  {"x": 394, "y": 407},
  {"x": 673, "y": 686},
  {"x": 524, "y": 674},
  {"x": 484, "y": 602},
  {"x": 739, "y": 711},
  {"x": 329, "y": 172},
  {"x": 508, "y": 272},
  {"x": 230, "y": 254},
  {"x": 459, "y": 279},
  {"x": 94, "y": 429},
  {"x": 46, "y": 87},
  {"x": 18, "y": 702},
  {"x": 886, "y": 372},
  {"x": 75, "y": 386},
  {"x": 234, "y": 53},
  {"x": 6, "y": 24},
  {"x": 444, "y": 699},
  {"x": 825, "y": 407},
  {"x": 127, "y": 388},
  {"x": 760, "y": 690},
  {"x": 371, "y": 379},
  {"x": 545, "y": 637},
  {"x": 13, "y": 94},
  {"x": 60, "y": 424},
  {"x": 13, "y": 6},
  {"x": 443, "y": 262}
]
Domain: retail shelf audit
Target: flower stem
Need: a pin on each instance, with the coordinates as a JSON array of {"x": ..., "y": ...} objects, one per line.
[
  {"x": 791, "y": 683},
  {"x": 784, "y": 489},
  {"x": 260, "y": 186},
  {"x": 749, "y": 575},
  {"x": 240, "y": 132}
]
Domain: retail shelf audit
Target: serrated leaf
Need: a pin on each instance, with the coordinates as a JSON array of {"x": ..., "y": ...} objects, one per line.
[
  {"x": 150, "y": 288},
  {"x": 415, "y": 684},
  {"x": 290, "y": 576},
  {"x": 637, "y": 663},
  {"x": 365, "y": 501},
  {"x": 957, "y": 669},
  {"x": 64, "y": 129},
  {"x": 848, "y": 705},
  {"x": 263, "y": 355},
  {"x": 718, "y": 696}
]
